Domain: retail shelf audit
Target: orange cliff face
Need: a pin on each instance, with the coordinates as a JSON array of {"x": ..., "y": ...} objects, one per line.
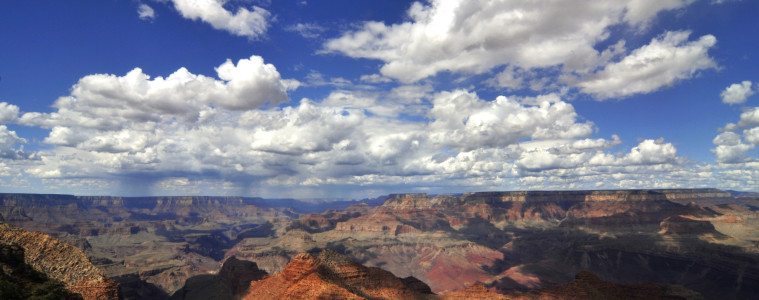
[
  {"x": 330, "y": 275},
  {"x": 62, "y": 262}
]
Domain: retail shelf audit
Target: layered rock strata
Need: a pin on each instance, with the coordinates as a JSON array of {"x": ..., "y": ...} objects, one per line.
[{"x": 62, "y": 262}]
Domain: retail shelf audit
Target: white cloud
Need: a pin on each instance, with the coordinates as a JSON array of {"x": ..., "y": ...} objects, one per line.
[
  {"x": 167, "y": 132},
  {"x": 8, "y": 138},
  {"x": 145, "y": 12},
  {"x": 307, "y": 30},
  {"x": 751, "y": 135},
  {"x": 666, "y": 60},
  {"x": 8, "y": 112},
  {"x": 477, "y": 36},
  {"x": 732, "y": 154},
  {"x": 316, "y": 78},
  {"x": 650, "y": 152},
  {"x": 732, "y": 148},
  {"x": 463, "y": 121},
  {"x": 111, "y": 102},
  {"x": 508, "y": 78},
  {"x": 252, "y": 24},
  {"x": 640, "y": 12},
  {"x": 375, "y": 78},
  {"x": 749, "y": 118},
  {"x": 737, "y": 93}
]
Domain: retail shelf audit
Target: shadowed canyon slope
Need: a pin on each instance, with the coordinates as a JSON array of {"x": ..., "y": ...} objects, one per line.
[
  {"x": 701, "y": 239},
  {"x": 330, "y": 275}
]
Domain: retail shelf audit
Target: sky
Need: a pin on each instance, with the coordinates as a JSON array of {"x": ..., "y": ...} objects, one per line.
[{"x": 356, "y": 99}]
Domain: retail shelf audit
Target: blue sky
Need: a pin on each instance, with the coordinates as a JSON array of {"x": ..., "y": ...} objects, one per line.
[{"x": 363, "y": 98}]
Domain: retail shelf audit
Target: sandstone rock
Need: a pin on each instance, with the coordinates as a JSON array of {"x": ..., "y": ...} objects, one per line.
[
  {"x": 330, "y": 275},
  {"x": 61, "y": 261}
]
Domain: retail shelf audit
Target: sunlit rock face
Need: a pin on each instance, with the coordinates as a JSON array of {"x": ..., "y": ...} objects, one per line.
[
  {"x": 58, "y": 261},
  {"x": 330, "y": 275},
  {"x": 521, "y": 241}
]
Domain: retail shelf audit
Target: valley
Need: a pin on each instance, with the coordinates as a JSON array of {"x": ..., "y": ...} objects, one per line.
[{"x": 701, "y": 241}]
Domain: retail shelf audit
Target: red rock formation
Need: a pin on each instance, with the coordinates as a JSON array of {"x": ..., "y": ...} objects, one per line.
[
  {"x": 333, "y": 276},
  {"x": 61, "y": 261}
]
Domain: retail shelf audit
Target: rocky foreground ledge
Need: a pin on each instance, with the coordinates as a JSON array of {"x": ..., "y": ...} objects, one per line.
[{"x": 61, "y": 262}]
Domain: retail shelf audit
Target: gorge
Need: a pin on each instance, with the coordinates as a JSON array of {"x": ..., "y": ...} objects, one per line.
[{"x": 698, "y": 242}]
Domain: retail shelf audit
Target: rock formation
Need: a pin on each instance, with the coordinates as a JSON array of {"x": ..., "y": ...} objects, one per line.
[
  {"x": 231, "y": 282},
  {"x": 522, "y": 241},
  {"x": 62, "y": 262},
  {"x": 330, "y": 275}
]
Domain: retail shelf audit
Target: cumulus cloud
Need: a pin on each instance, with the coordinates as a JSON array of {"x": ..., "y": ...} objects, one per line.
[
  {"x": 145, "y": 12},
  {"x": 189, "y": 129},
  {"x": 752, "y": 135},
  {"x": 733, "y": 148},
  {"x": 730, "y": 148},
  {"x": 8, "y": 140},
  {"x": 477, "y": 36},
  {"x": 650, "y": 152},
  {"x": 666, "y": 60},
  {"x": 749, "y": 118},
  {"x": 737, "y": 93},
  {"x": 463, "y": 121},
  {"x": 640, "y": 12},
  {"x": 244, "y": 22},
  {"x": 110, "y": 102},
  {"x": 8, "y": 112}
]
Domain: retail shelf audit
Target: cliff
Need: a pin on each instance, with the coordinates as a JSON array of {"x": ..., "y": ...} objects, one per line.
[
  {"x": 231, "y": 282},
  {"x": 677, "y": 195},
  {"x": 62, "y": 262},
  {"x": 330, "y": 275}
]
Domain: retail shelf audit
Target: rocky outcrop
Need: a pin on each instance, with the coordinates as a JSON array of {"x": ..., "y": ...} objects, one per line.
[
  {"x": 18, "y": 280},
  {"x": 330, "y": 275},
  {"x": 679, "y": 195},
  {"x": 62, "y": 262},
  {"x": 231, "y": 282},
  {"x": 680, "y": 225}
]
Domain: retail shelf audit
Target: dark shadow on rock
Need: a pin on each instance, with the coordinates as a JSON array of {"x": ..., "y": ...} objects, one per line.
[
  {"x": 232, "y": 281},
  {"x": 132, "y": 287}
]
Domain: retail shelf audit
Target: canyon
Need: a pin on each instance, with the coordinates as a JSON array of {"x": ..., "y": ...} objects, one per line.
[{"x": 696, "y": 242}]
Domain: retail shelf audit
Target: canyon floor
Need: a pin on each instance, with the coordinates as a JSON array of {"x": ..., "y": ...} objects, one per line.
[{"x": 702, "y": 242}]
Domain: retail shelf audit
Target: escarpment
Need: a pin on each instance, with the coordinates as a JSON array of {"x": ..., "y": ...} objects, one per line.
[
  {"x": 330, "y": 275},
  {"x": 510, "y": 242},
  {"x": 62, "y": 262}
]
